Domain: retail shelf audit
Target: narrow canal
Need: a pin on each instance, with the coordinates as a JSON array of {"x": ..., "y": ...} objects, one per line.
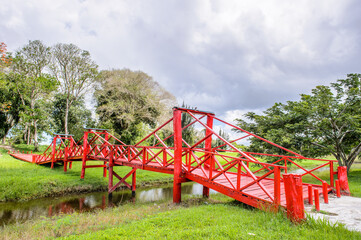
[{"x": 17, "y": 212}]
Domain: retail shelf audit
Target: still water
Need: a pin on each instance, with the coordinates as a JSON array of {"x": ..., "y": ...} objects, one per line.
[{"x": 17, "y": 212}]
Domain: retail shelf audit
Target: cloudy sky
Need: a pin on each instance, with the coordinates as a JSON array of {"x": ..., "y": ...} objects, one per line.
[{"x": 228, "y": 57}]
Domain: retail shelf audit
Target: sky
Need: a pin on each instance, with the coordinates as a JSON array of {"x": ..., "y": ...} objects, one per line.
[{"x": 227, "y": 57}]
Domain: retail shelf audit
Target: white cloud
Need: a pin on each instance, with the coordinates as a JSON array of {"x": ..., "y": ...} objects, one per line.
[{"x": 216, "y": 55}]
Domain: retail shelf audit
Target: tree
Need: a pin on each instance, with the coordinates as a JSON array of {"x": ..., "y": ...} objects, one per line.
[
  {"x": 10, "y": 106},
  {"x": 78, "y": 117},
  {"x": 219, "y": 142},
  {"x": 328, "y": 121},
  {"x": 75, "y": 71},
  {"x": 188, "y": 134},
  {"x": 130, "y": 102},
  {"x": 9, "y": 99},
  {"x": 32, "y": 83},
  {"x": 5, "y": 59}
]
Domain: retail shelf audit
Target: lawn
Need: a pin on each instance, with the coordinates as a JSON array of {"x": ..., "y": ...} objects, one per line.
[
  {"x": 196, "y": 218},
  {"x": 217, "y": 218}
]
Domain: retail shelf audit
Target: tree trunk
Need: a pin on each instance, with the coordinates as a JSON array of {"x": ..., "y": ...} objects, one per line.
[
  {"x": 28, "y": 136},
  {"x": 36, "y": 147},
  {"x": 25, "y": 132},
  {"x": 4, "y": 138},
  {"x": 66, "y": 116}
]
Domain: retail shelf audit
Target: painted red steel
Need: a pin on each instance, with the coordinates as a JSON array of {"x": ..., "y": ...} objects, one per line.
[
  {"x": 244, "y": 176},
  {"x": 338, "y": 190},
  {"x": 317, "y": 200},
  {"x": 342, "y": 177},
  {"x": 294, "y": 199}
]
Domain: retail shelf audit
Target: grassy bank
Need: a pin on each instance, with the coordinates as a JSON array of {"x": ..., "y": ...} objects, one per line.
[
  {"x": 196, "y": 218},
  {"x": 23, "y": 181}
]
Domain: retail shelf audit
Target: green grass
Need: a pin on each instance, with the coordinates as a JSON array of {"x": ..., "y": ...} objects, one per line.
[
  {"x": 217, "y": 218},
  {"x": 23, "y": 181},
  {"x": 354, "y": 182},
  {"x": 196, "y": 218},
  {"x": 354, "y": 179}
]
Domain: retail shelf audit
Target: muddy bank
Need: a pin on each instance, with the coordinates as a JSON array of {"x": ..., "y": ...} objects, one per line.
[{"x": 18, "y": 212}]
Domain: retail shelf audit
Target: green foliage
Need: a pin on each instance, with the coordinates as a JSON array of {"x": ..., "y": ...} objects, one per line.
[
  {"x": 328, "y": 121},
  {"x": 32, "y": 84},
  {"x": 189, "y": 133},
  {"x": 219, "y": 142},
  {"x": 79, "y": 116},
  {"x": 10, "y": 105},
  {"x": 74, "y": 71},
  {"x": 129, "y": 102}
]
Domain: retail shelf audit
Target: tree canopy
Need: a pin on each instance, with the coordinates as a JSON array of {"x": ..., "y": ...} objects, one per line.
[
  {"x": 32, "y": 84},
  {"x": 327, "y": 121},
  {"x": 75, "y": 71},
  {"x": 129, "y": 102}
]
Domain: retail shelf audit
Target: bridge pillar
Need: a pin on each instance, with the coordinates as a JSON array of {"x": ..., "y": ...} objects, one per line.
[
  {"x": 134, "y": 180},
  {"x": 110, "y": 168},
  {"x": 53, "y": 152},
  {"x": 106, "y": 137},
  {"x": 65, "y": 159},
  {"x": 177, "y": 127},
  {"x": 208, "y": 147},
  {"x": 294, "y": 197},
  {"x": 342, "y": 178},
  {"x": 85, "y": 153}
]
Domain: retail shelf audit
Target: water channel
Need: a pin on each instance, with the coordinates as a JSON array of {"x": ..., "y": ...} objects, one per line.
[{"x": 18, "y": 212}]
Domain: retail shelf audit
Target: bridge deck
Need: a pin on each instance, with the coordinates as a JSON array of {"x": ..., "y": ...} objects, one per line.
[
  {"x": 23, "y": 157},
  {"x": 199, "y": 176}
]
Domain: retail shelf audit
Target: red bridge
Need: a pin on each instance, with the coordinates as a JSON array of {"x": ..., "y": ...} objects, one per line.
[{"x": 244, "y": 176}]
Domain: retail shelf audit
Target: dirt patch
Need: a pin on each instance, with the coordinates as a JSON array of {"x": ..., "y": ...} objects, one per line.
[
  {"x": 345, "y": 210},
  {"x": 7, "y": 147}
]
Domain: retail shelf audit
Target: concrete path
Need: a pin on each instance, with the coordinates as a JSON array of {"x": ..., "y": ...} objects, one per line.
[{"x": 346, "y": 210}]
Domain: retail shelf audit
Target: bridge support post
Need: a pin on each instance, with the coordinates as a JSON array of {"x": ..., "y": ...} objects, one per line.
[
  {"x": 208, "y": 147},
  {"x": 65, "y": 159},
  {"x": 342, "y": 178},
  {"x": 294, "y": 197},
  {"x": 85, "y": 153},
  {"x": 106, "y": 137},
  {"x": 110, "y": 168},
  {"x": 134, "y": 179},
  {"x": 177, "y": 127},
  {"x": 53, "y": 152}
]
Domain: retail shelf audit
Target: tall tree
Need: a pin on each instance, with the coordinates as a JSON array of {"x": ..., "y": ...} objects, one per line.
[
  {"x": 32, "y": 83},
  {"x": 130, "y": 102},
  {"x": 10, "y": 106},
  {"x": 79, "y": 117},
  {"x": 75, "y": 71},
  {"x": 327, "y": 121},
  {"x": 9, "y": 99}
]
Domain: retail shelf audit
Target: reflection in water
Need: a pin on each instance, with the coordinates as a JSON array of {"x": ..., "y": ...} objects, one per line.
[{"x": 47, "y": 207}]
